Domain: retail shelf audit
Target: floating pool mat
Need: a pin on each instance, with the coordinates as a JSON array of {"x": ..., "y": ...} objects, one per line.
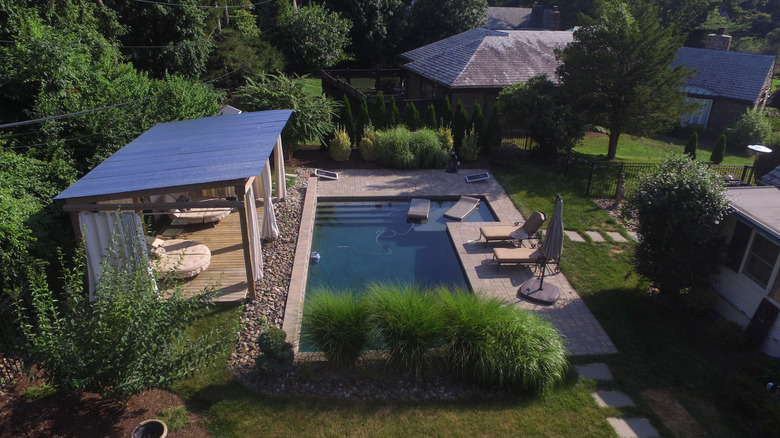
[
  {"x": 419, "y": 209},
  {"x": 463, "y": 208}
]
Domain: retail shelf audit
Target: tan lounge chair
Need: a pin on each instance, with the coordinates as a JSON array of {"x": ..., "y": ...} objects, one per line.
[
  {"x": 522, "y": 256},
  {"x": 529, "y": 230}
]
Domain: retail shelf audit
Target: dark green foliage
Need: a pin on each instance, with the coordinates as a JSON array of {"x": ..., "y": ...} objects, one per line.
[
  {"x": 377, "y": 28},
  {"x": 446, "y": 113},
  {"x": 679, "y": 208},
  {"x": 313, "y": 38},
  {"x": 429, "y": 120},
  {"x": 460, "y": 124},
  {"x": 271, "y": 341},
  {"x": 267, "y": 367},
  {"x": 277, "y": 352},
  {"x": 404, "y": 149},
  {"x": 338, "y": 325},
  {"x": 619, "y": 71},
  {"x": 379, "y": 112},
  {"x": 719, "y": 150},
  {"x": 363, "y": 118},
  {"x": 346, "y": 120},
  {"x": 313, "y": 115},
  {"x": 493, "y": 135},
  {"x": 692, "y": 145},
  {"x": 411, "y": 116},
  {"x": 428, "y": 23},
  {"x": 543, "y": 109},
  {"x": 427, "y": 149},
  {"x": 477, "y": 123},
  {"x": 393, "y": 116},
  {"x": 409, "y": 323},
  {"x": 128, "y": 340},
  {"x": 752, "y": 127}
]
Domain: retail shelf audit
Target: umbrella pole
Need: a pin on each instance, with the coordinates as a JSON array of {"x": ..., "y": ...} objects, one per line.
[{"x": 541, "y": 279}]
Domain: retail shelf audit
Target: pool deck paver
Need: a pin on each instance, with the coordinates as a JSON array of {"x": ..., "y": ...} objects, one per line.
[{"x": 582, "y": 332}]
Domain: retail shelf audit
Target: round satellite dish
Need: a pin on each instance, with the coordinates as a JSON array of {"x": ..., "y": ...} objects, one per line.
[{"x": 759, "y": 148}]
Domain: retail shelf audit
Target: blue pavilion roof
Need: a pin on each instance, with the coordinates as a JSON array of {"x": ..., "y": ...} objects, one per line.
[{"x": 191, "y": 152}]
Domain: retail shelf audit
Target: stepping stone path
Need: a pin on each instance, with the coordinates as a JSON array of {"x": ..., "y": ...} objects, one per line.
[
  {"x": 624, "y": 427},
  {"x": 617, "y": 237},
  {"x": 574, "y": 236},
  {"x": 632, "y": 235},
  {"x": 595, "y": 236}
]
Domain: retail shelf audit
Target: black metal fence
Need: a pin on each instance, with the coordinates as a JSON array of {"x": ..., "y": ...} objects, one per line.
[
  {"x": 602, "y": 178},
  {"x": 11, "y": 352}
]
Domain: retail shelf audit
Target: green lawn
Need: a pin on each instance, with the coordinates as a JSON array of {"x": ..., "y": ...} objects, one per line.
[
  {"x": 312, "y": 85},
  {"x": 666, "y": 368},
  {"x": 648, "y": 150}
]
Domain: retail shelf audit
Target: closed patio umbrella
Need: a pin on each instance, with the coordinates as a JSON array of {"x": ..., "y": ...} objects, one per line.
[
  {"x": 535, "y": 289},
  {"x": 270, "y": 228}
]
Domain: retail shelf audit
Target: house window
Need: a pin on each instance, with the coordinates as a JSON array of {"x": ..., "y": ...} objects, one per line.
[
  {"x": 427, "y": 90},
  {"x": 761, "y": 260},
  {"x": 701, "y": 115},
  {"x": 738, "y": 245}
]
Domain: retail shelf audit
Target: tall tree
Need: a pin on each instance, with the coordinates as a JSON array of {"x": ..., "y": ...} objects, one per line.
[
  {"x": 379, "y": 112},
  {"x": 377, "y": 28},
  {"x": 446, "y": 113},
  {"x": 460, "y": 124},
  {"x": 620, "y": 70},
  {"x": 478, "y": 125},
  {"x": 428, "y": 24},
  {"x": 393, "y": 115},
  {"x": 313, "y": 38}
]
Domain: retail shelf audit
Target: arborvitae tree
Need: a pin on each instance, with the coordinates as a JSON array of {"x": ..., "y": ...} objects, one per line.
[
  {"x": 692, "y": 145},
  {"x": 493, "y": 133},
  {"x": 393, "y": 116},
  {"x": 346, "y": 120},
  {"x": 429, "y": 121},
  {"x": 363, "y": 118},
  {"x": 719, "y": 151},
  {"x": 446, "y": 113},
  {"x": 478, "y": 125},
  {"x": 378, "y": 112},
  {"x": 460, "y": 124},
  {"x": 411, "y": 116}
]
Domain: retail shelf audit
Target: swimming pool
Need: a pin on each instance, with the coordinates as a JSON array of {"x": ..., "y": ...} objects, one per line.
[{"x": 358, "y": 242}]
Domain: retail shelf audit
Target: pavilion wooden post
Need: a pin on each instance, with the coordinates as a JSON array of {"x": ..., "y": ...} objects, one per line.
[{"x": 241, "y": 193}]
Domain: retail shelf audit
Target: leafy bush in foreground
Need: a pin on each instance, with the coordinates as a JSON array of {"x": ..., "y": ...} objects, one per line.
[
  {"x": 338, "y": 325},
  {"x": 128, "y": 340},
  {"x": 277, "y": 353}
]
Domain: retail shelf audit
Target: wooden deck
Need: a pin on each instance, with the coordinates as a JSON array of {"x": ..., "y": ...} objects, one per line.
[{"x": 226, "y": 271}]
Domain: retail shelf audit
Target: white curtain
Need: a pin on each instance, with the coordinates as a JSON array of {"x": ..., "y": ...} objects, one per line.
[
  {"x": 254, "y": 235},
  {"x": 114, "y": 238},
  {"x": 281, "y": 183},
  {"x": 270, "y": 228}
]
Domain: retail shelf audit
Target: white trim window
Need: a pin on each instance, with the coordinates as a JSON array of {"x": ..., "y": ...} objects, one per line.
[
  {"x": 700, "y": 116},
  {"x": 761, "y": 260}
]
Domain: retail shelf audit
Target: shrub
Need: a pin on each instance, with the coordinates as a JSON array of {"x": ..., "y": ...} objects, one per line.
[
  {"x": 460, "y": 124},
  {"x": 379, "y": 112},
  {"x": 272, "y": 343},
  {"x": 411, "y": 116},
  {"x": 346, "y": 119},
  {"x": 446, "y": 113},
  {"x": 752, "y": 127},
  {"x": 394, "y": 143},
  {"x": 393, "y": 116},
  {"x": 427, "y": 149},
  {"x": 692, "y": 145},
  {"x": 492, "y": 132},
  {"x": 409, "y": 323},
  {"x": 727, "y": 334},
  {"x": 469, "y": 149},
  {"x": 369, "y": 144},
  {"x": 719, "y": 150},
  {"x": 338, "y": 325},
  {"x": 679, "y": 209},
  {"x": 363, "y": 119},
  {"x": 477, "y": 124},
  {"x": 340, "y": 146},
  {"x": 429, "y": 121},
  {"x": 128, "y": 340},
  {"x": 445, "y": 138}
]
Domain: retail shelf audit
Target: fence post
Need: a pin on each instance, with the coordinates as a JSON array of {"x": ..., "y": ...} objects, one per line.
[
  {"x": 590, "y": 177},
  {"x": 744, "y": 173}
]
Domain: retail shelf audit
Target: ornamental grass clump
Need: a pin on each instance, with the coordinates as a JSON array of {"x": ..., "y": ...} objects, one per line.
[
  {"x": 338, "y": 325},
  {"x": 409, "y": 323},
  {"x": 428, "y": 150}
]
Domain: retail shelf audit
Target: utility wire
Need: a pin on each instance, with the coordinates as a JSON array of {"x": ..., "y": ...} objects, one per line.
[
  {"x": 43, "y": 43},
  {"x": 206, "y": 7}
]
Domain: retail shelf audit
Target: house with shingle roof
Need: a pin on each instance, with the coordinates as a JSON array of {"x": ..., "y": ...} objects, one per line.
[
  {"x": 725, "y": 84},
  {"x": 510, "y": 18},
  {"x": 474, "y": 66}
]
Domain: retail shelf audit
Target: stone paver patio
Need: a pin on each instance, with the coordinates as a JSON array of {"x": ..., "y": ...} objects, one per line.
[{"x": 583, "y": 334}]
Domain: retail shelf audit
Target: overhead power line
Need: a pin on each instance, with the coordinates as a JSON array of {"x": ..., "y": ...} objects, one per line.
[{"x": 205, "y": 7}]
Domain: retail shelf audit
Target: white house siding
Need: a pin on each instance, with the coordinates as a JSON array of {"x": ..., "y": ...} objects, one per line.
[{"x": 738, "y": 299}]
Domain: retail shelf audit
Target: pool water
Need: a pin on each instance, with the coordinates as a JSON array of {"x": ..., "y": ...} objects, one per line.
[{"x": 363, "y": 242}]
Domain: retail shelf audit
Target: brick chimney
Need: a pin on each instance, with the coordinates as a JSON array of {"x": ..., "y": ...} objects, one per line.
[
  {"x": 554, "y": 21},
  {"x": 718, "y": 41}
]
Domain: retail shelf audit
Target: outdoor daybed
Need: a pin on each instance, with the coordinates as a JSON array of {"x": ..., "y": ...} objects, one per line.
[
  {"x": 179, "y": 258},
  {"x": 194, "y": 215},
  {"x": 529, "y": 230}
]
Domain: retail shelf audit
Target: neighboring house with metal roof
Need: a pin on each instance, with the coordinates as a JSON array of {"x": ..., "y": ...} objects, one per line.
[
  {"x": 474, "y": 66},
  {"x": 748, "y": 285},
  {"x": 725, "y": 84}
]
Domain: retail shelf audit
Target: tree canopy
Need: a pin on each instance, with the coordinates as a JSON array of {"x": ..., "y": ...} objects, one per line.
[
  {"x": 313, "y": 38},
  {"x": 428, "y": 24},
  {"x": 619, "y": 69}
]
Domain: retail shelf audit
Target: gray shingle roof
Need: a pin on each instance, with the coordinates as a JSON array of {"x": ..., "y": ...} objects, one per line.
[
  {"x": 489, "y": 58},
  {"x": 508, "y": 18},
  {"x": 732, "y": 75}
]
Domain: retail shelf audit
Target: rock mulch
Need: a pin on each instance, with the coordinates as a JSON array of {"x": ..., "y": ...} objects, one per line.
[{"x": 371, "y": 379}]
